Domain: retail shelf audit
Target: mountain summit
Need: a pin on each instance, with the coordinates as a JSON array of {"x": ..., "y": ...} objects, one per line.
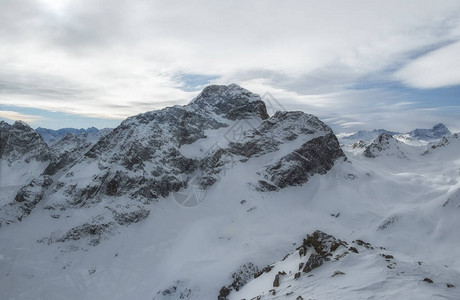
[
  {"x": 438, "y": 131},
  {"x": 146, "y": 157},
  {"x": 231, "y": 101}
]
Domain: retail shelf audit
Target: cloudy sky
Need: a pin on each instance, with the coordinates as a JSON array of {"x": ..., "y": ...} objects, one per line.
[{"x": 356, "y": 64}]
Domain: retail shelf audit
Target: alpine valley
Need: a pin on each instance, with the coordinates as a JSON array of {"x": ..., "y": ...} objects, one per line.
[{"x": 217, "y": 199}]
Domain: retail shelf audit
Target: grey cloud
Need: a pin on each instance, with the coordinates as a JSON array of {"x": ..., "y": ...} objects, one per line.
[{"x": 120, "y": 54}]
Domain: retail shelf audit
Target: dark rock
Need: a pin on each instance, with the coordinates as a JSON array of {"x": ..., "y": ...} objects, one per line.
[
  {"x": 264, "y": 270},
  {"x": 313, "y": 262},
  {"x": 428, "y": 280},
  {"x": 353, "y": 249},
  {"x": 317, "y": 156},
  {"x": 232, "y": 102},
  {"x": 389, "y": 222},
  {"x": 223, "y": 293},
  {"x": 276, "y": 282},
  {"x": 20, "y": 142},
  {"x": 95, "y": 232},
  {"x": 25, "y": 200},
  {"x": 127, "y": 218},
  {"x": 240, "y": 277},
  {"x": 337, "y": 273},
  {"x": 178, "y": 290}
]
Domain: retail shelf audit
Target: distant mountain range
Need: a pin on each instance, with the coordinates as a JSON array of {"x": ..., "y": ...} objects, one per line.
[
  {"x": 438, "y": 131},
  {"x": 51, "y": 135}
]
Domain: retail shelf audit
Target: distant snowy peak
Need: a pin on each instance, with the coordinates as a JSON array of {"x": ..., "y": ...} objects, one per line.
[
  {"x": 446, "y": 146},
  {"x": 368, "y": 135},
  {"x": 385, "y": 144},
  {"x": 51, "y": 135},
  {"x": 438, "y": 131},
  {"x": 415, "y": 137}
]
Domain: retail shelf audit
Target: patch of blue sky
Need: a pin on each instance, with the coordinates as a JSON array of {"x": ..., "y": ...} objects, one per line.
[
  {"x": 57, "y": 120},
  {"x": 190, "y": 82}
]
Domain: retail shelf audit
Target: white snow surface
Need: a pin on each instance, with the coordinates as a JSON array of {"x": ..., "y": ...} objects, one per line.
[{"x": 411, "y": 207}]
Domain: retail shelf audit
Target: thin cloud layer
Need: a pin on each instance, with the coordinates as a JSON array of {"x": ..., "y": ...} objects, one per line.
[
  {"x": 436, "y": 69},
  {"x": 112, "y": 59},
  {"x": 13, "y": 115}
]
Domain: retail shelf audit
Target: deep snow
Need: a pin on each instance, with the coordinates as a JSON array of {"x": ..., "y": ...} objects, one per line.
[{"x": 390, "y": 202}]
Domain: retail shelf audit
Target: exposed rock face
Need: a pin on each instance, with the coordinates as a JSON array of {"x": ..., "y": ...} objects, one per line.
[
  {"x": 20, "y": 142},
  {"x": 324, "y": 245},
  {"x": 321, "y": 149},
  {"x": 232, "y": 102},
  {"x": 240, "y": 277},
  {"x": 93, "y": 232},
  {"x": 26, "y": 200},
  {"x": 316, "y": 156},
  {"x": 23, "y": 155}
]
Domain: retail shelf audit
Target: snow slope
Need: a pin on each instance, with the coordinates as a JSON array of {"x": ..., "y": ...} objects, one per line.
[{"x": 111, "y": 245}]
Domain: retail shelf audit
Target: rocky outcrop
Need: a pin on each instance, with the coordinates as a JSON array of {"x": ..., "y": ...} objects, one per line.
[
  {"x": 20, "y": 142},
  {"x": 178, "y": 290},
  {"x": 316, "y": 249},
  {"x": 240, "y": 277},
  {"x": 93, "y": 233},
  {"x": 232, "y": 102},
  {"x": 317, "y": 257},
  {"x": 317, "y": 156},
  {"x": 25, "y": 201},
  {"x": 321, "y": 147}
]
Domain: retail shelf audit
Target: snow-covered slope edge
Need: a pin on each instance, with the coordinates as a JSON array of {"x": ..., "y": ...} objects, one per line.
[{"x": 326, "y": 267}]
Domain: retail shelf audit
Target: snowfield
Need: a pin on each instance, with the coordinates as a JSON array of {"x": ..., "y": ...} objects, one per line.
[{"x": 396, "y": 215}]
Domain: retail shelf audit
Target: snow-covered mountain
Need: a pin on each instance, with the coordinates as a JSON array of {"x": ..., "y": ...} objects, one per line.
[
  {"x": 415, "y": 137},
  {"x": 364, "y": 135},
  {"x": 438, "y": 131},
  {"x": 210, "y": 201}
]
